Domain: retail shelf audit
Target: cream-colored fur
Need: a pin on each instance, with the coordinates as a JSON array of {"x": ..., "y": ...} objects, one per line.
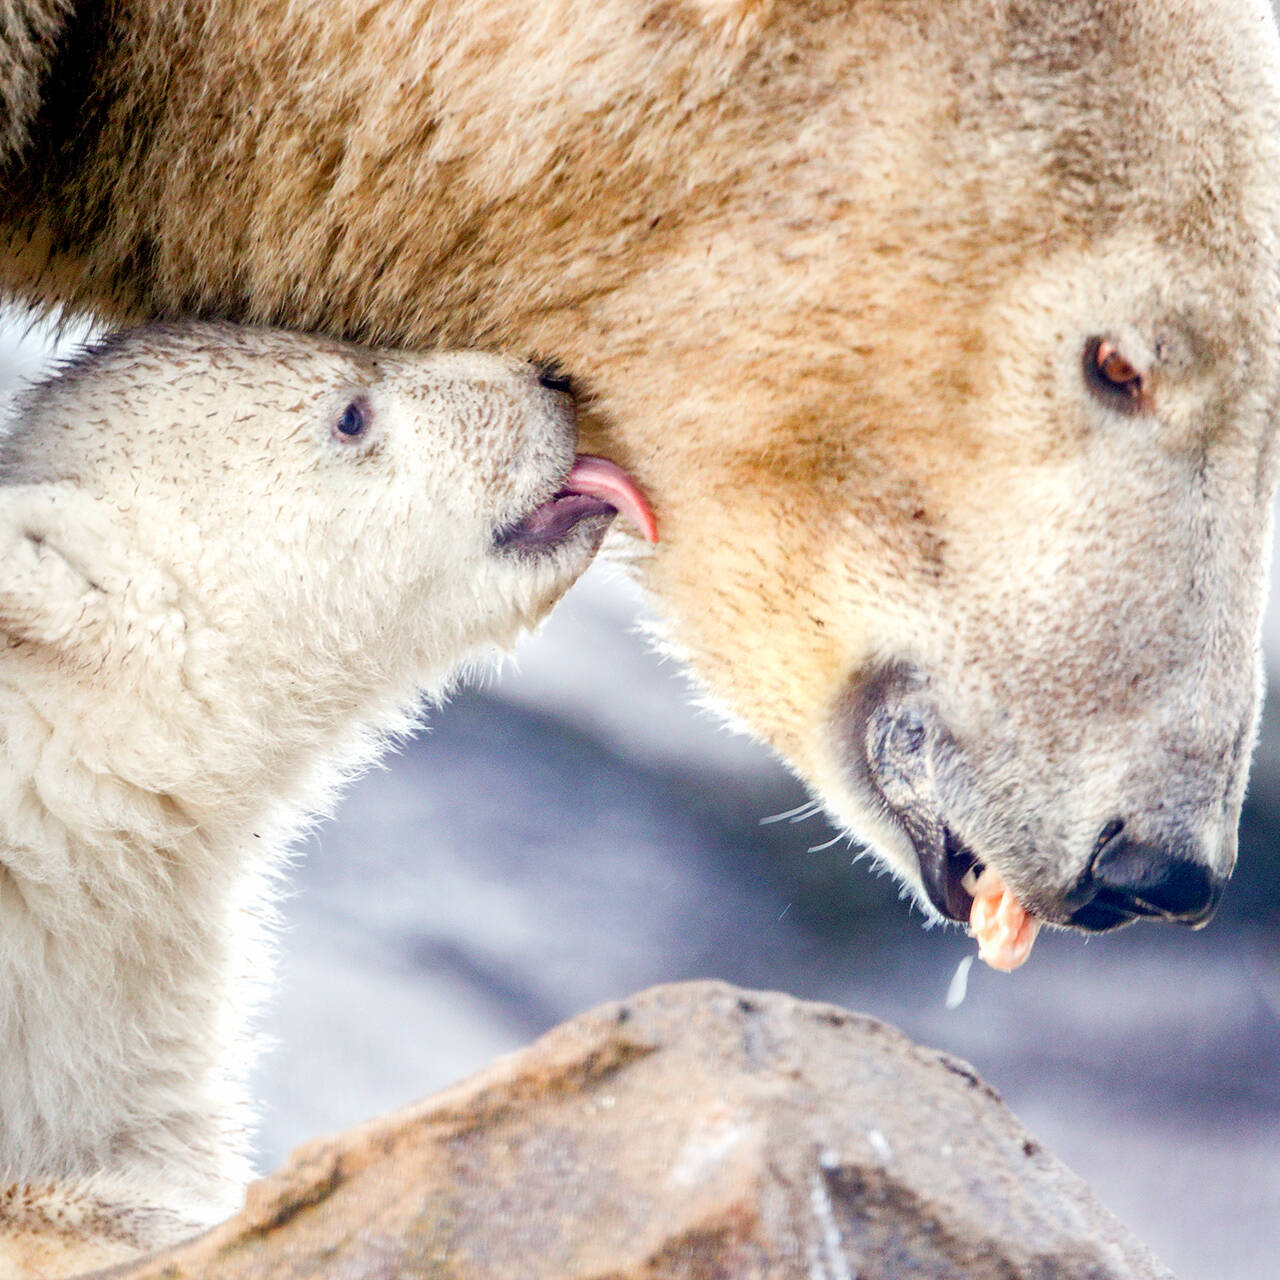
[
  {"x": 830, "y": 269},
  {"x": 213, "y": 605}
]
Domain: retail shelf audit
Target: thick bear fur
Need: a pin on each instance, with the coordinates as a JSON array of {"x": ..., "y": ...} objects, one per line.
[
  {"x": 851, "y": 283},
  {"x": 214, "y": 604}
]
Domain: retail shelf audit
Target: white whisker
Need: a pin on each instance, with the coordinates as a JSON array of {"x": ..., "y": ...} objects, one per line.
[
  {"x": 835, "y": 839},
  {"x": 798, "y": 814}
]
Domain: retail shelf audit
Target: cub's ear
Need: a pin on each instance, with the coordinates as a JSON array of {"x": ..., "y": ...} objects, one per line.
[{"x": 51, "y": 594}]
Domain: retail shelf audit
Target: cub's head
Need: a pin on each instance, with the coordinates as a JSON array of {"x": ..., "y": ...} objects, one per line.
[{"x": 200, "y": 512}]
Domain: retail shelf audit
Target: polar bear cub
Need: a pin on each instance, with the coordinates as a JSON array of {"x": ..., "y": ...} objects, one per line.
[{"x": 232, "y": 561}]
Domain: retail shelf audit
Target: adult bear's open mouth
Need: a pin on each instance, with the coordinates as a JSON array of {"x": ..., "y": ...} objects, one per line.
[
  {"x": 902, "y": 754},
  {"x": 948, "y": 870}
]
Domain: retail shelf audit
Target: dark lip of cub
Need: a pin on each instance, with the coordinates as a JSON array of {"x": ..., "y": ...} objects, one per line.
[{"x": 592, "y": 492}]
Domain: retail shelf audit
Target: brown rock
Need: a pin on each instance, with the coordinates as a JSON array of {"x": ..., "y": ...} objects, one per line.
[{"x": 692, "y": 1132}]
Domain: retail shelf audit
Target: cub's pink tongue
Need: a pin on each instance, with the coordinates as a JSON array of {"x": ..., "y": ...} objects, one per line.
[{"x": 600, "y": 478}]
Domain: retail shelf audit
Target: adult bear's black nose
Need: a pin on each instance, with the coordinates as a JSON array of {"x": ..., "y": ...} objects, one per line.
[{"x": 1131, "y": 877}]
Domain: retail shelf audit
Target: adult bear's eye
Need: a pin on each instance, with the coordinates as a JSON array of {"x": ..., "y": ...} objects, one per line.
[
  {"x": 1112, "y": 378},
  {"x": 354, "y": 421}
]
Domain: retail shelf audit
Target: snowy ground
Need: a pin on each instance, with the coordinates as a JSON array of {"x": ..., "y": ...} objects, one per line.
[{"x": 573, "y": 832}]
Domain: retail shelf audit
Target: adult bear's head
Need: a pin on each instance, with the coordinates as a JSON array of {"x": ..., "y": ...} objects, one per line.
[
  {"x": 984, "y": 547},
  {"x": 943, "y": 336}
]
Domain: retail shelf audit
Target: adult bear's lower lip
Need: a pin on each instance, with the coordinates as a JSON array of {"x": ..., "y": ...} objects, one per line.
[
  {"x": 594, "y": 488},
  {"x": 944, "y": 864},
  {"x": 898, "y": 750}
]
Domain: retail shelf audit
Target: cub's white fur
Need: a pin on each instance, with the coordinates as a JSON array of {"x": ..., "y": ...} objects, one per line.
[{"x": 213, "y": 602}]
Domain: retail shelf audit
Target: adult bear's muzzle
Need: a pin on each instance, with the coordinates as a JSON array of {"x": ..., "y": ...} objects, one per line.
[{"x": 905, "y": 760}]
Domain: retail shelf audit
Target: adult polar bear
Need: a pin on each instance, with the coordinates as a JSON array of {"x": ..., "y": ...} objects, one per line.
[{"x": 944, "y": 337}]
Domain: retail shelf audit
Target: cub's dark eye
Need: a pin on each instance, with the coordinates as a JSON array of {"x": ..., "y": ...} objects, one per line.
[
  {"x": 354, "y": 421},
  {"x": 1112, "y": 378}
]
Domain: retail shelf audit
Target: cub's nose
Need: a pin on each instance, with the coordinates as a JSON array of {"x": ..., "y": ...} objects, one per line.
[
  {"x": 1131, "y": 877},
  {"x": 554, "y": 378}
]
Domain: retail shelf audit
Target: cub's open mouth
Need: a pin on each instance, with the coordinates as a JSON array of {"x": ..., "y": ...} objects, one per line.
[{"x": 594, "y": 488}]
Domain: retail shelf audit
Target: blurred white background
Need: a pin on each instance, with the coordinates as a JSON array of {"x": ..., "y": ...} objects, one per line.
[{"x": 573, "y": 831}]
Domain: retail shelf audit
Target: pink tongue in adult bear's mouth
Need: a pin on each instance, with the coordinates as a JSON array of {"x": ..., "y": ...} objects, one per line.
[{"x": 593, "y": 487}]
